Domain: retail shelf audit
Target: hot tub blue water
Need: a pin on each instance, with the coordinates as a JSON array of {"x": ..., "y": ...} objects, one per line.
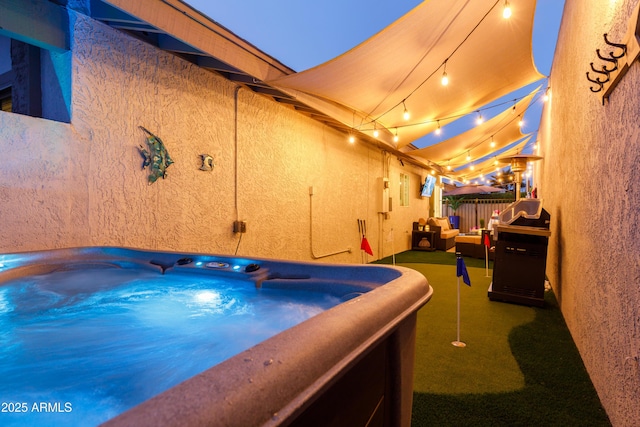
[
  {"x": 99, "y": 340},
  {"x": 131, "y": 337}
]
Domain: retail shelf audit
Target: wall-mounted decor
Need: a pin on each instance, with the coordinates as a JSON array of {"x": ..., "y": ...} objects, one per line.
[
  {"x": 156, "y": 157},
  {"x": 614, "y": 63},
  {"x": 207, "y": 163}
]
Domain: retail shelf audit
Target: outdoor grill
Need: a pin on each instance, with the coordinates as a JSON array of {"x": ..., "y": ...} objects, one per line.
[{"x": 521, "y": 253}]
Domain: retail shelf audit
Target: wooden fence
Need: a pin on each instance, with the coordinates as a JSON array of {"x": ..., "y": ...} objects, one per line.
[{"x": 472, "y": 210}]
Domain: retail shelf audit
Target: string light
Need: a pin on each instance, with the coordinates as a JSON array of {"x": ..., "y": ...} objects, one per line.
[
  {"x": 479, "y": 120},
  {"x": 375, "y": 130},
  {"x": 395, "y": 137},
  {"x": 493, "y": 143},
  {"x": 445, "y": 78},
  {"x": 352, "y": 138},
  {"x": 406, "y": 114},
  {"x": 468, "y": 156},
  {"x": 545, "y": 98},
  {"x": 506, "y": 12},
  {"x": 438, "y": 130},
  {"x": 520, "y": 122}
]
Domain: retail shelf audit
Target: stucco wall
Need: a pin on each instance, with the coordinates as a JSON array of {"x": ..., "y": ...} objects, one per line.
[
  {"x": 81, "y": 183},
  {"x": 589, "y": 182}
]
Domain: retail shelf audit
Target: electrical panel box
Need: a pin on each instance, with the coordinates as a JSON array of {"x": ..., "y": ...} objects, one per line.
[
  {"x": 383, "y": 191},
  {"x": 239, "y": 227}
]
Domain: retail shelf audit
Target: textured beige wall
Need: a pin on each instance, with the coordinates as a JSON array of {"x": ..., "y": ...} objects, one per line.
[
  {"x": 589, "y": 181},
  {"x": 81, "y": 184}
]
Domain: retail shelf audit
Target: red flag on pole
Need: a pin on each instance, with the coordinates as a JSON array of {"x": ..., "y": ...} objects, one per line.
[
  {"x": 486, "y": 241},
  {"x": 365, "y": 243},
  {"x": 365, "y": 246}
]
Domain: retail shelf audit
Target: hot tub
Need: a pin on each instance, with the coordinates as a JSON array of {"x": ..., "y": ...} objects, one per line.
[{"x": 320, "y": 344}]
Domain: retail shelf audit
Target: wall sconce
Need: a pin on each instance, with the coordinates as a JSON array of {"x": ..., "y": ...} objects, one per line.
[
  {"x": 617, "y": 62},
  {"x": 207, "y": 163}
]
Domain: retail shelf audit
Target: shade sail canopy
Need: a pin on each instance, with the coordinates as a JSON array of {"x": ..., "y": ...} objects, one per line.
[
  {"x": 502, "y": 130},
  {"x": 370, "y": 86},
  {"x": 472, "y": 189},
  {"x": 489, "y": 165}
]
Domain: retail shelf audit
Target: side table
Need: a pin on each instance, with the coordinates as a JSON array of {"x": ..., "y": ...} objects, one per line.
[{"x": 417, "y": 236}]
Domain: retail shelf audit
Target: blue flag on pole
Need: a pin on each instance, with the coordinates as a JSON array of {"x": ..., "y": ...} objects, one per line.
[{"x": 462, "y": 270}]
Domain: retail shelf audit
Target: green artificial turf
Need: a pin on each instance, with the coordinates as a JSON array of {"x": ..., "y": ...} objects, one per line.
[
  {"x": 435, "y": 257},
  {"x": 520, "y": 366}
]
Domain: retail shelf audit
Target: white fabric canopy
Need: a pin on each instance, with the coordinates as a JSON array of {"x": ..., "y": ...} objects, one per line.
[
  {"x": 486, "y": 56},
  {"x": 504, "y": 129},
  {"x": 487, "y": 166}
]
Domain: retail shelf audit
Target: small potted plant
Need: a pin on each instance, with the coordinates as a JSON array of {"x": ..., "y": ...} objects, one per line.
[{"x": 454, "y": 203}]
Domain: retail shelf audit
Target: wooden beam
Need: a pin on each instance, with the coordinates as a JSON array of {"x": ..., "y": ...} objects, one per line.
[
  {"x": 166, "y": 42},
  {"x": 216, "y": 65},
  {"x": 36, "y": 22}
]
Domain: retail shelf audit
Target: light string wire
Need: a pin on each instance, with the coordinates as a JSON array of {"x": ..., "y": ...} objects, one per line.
[
  {"x": 482, "y": 140},
  {"x": 462, "y": 165},
  {"x": 489, "y": 169},
  {"x": 429, "y": 76}
]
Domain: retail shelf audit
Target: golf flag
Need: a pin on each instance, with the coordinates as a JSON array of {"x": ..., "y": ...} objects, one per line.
[
  {"x": 462, "y": 271},
  {"x": 365, "y": 246},
  {"x": 486, "y": 241}
]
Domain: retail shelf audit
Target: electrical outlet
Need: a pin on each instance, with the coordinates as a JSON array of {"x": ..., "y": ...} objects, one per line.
[{"x": 239, "y": 227}]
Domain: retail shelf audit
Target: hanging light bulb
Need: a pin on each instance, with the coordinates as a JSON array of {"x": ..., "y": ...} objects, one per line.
[
  {"x": 445, "y": 77},
  {"x": 375, "y": 130},
  {"x": 506, "y": 12},
  {"x": 352, "y": 138},
  {"x": 395, "y": 137},
  {"x": 448, "y": 166},
  {"x": 479, "y": 120},
  {"x": 545, "y": 98},
  {"x": 493, "y": 143},
  {"x": 406, "y": 114},
  {"x": 473, "y": 167},
  {"x": 468, "y": 157},
  {"x": 520, "y": 121},
  {"x": 438, "y": 130}
]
